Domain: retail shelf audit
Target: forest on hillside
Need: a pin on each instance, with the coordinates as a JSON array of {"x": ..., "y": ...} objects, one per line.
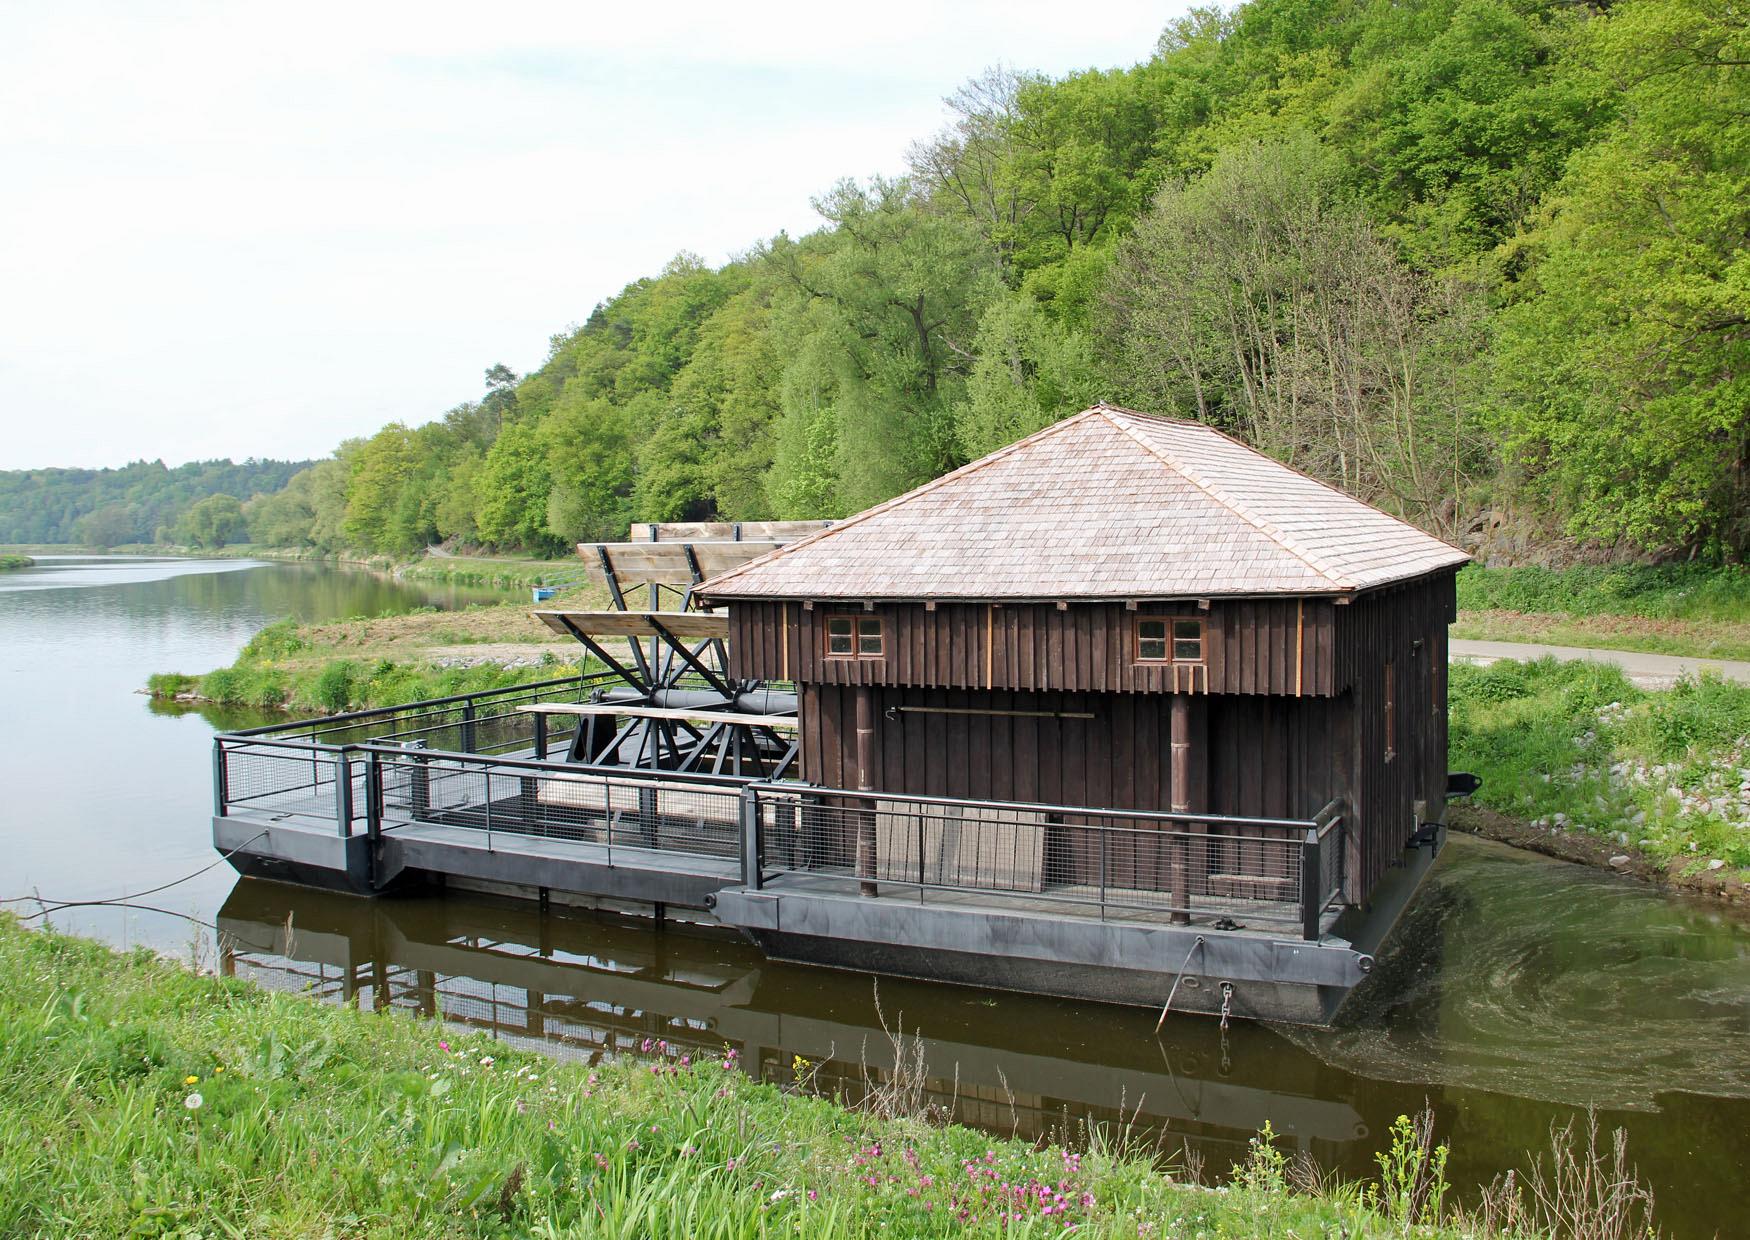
[
  {"x": 1453, "y": 256},
  {"x": 198, "y": 504}
]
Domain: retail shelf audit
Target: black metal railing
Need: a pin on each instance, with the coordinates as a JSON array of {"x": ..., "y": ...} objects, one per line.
[
  {"x": 1115, "y": 863},
  {"x": 466, "y": 762}
]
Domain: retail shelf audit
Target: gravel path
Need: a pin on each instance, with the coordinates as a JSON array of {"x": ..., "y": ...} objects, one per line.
[{"x": 1649, "y": 671}]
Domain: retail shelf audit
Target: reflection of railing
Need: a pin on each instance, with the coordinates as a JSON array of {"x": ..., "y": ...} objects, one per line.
[{"x": 1123, "y": 863}]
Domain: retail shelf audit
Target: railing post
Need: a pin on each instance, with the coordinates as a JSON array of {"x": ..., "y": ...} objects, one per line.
[
  {"x": 221, "y": 780},
  {"x": 1311, "y": 897},
  {"x": 419, "y": 789},
  {"x": 540, "y": 737},
  {"x": 373, "y": 797},
  {"x": 343, "y": 791},
  {"x": 468, "y": 726},
  {"x": 488, "y": 773},
  {"x": 750, "y": 838},
  {"x": 1105, "y": 843}
]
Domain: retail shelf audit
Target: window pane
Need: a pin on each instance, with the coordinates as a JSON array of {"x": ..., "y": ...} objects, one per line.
[
  {"x": 869, "y": 637},
  {"x": 838, "y": 635},
  {"x": 1151, "y": 630},
  {"x": 1188, "y": 628},
  {"x": 1187, "y": 651},
  {"x": 838, "y": 645},
  {"x": 1152, "y": 648}
]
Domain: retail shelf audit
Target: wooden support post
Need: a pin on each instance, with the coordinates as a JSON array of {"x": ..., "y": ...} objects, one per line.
[
  {"x": 866, "y": 783},
  {"x": 1179, "y": 849}
]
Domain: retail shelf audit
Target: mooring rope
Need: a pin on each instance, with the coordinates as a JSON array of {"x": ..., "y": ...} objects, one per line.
[
  {"x": 1168, "y": 1005},
  {"x": 55, "y": 906}
]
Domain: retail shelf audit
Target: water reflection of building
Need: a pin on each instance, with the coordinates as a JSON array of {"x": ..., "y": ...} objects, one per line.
[{"x": 582, "y": 986}]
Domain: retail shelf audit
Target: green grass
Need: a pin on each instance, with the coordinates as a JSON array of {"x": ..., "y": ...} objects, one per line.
[
  {"x": 1678, "y": 609},
  {"x": 143, "y": 1099},
  {"x": 1576, "y": 745},
  {"x": 1650, "y": 591},
  {"x": 10, "y": 560}
]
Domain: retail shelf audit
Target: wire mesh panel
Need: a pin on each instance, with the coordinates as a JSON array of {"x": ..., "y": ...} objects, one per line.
[
  {"x": 550, "y": 801},
  {"x": 1121, "y": 864},
  {"x": 279, "y": 778}
]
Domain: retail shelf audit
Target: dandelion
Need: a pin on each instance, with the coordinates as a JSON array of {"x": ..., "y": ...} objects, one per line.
[
  {"x": 218, "y": 1069},
  {"x": 193, "y": 1102},
  {"x": 191, "y": 1080}
]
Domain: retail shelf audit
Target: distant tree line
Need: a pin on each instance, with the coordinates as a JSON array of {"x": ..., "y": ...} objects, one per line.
[
  {"x": 146, "y": 502},
  {"x": 1446, "y": 254}
]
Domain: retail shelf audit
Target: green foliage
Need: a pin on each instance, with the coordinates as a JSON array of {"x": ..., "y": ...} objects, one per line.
[
  {"x": 116, "y": 507},
  {"x": 10, "y": 561},
  {"x": 1575, "y": 745},
  {"x": 1689, "y": 591},
  {"x": 212, "y": 522},
  {"x": 1444, "y": 254},
  {"x": 145, "y": 1099},
  {"x": 1624, "y": 363}
]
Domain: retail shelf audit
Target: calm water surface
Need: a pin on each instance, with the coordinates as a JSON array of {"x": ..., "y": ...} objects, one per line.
[{"x": 1524, "y": 988}]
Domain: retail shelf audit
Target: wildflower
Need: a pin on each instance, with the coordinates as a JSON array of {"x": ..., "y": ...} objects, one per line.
[
  {"x": 191, "y": 1080},
  {"x": 780, "y": 1194},
  {"x": 486, "y": 1061},
  {"x": 632, "y": 1144},
  {"x": 730, "y": 1165},
  {"x": 193, "y": 1102},
  {"x": 812, "y": 1195},
  {"x": 443, "y": 1046},
  {"x": 218, "y": 1069}
]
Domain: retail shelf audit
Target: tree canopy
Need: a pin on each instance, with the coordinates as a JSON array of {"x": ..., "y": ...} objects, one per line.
[{"x": 1447, "y": 254}]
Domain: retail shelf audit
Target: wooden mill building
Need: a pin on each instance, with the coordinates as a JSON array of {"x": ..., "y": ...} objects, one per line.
[{"x": 1121, "y": 612}]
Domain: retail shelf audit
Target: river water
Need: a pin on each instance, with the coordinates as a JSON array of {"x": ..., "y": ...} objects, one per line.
[{"x": 1522, "y": 990}]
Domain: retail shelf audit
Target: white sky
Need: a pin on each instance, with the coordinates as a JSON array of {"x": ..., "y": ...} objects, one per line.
[{"x": 253, "y": 230}]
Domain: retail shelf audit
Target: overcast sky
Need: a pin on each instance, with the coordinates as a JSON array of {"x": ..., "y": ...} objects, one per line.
[{"x": 249, "y": 229}]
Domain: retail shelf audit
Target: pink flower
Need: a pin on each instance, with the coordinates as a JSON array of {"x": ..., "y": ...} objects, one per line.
[{"x": 443, "y": 1046}]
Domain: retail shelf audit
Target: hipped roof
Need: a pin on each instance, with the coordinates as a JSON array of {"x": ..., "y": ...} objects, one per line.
[{"x": 1106, "y": 504}]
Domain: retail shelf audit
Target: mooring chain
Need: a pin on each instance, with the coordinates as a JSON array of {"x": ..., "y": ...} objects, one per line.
[{"x": 1227, "y": 999}]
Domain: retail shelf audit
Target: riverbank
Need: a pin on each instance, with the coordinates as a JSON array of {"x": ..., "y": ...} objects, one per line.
[
  {"x": 143, "y": 1098},
  {"x": 10, "y": 562},
  {"x": 1577, "y": 762},
  {"x": 384, "y": 660}
]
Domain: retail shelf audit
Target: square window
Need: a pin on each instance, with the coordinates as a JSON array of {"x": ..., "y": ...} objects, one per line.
[
  {"x": 1187, "y": 641},
  {"x": 841, "y": 636},
  {"x": 1151, "y": 641}
]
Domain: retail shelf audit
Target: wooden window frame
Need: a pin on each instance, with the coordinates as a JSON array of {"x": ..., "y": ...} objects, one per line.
[
  {"x": 1391, "y": 710},
  {"x": 861, "y": 626},
  {"x": 1169, "y": 640}
]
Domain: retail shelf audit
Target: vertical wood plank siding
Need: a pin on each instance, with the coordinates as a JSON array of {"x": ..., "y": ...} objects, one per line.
[
  {"x": 1278, "y": 646},
  {"x": 1291, "y": 713}
]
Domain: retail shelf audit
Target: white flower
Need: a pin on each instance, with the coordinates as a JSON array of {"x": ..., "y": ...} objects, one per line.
[{"x": 193, "y": 1102}]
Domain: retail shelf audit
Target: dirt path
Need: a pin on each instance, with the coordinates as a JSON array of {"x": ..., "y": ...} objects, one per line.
[{"x": 1649, "y": 671}]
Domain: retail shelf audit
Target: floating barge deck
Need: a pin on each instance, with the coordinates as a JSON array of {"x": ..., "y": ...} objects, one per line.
[{"x": 470, "y": 792}]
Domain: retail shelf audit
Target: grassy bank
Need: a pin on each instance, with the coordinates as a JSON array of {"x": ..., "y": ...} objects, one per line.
[
  {"x": 10, "y": 561},
  {"x": 1572, "y": 747},
  {"x": 385, "y": 660},
  {"x": 1682, "y": 609},
  {"x": 143, "y": 1099}
]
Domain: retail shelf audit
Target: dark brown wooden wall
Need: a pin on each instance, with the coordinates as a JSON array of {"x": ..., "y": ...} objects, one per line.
[
  {"x": 1263, "y": 758},
  {"x": 1265, "y": 752},
  {"x": 1265, "y": 646},
  {"x": 1406, "y": 625}
]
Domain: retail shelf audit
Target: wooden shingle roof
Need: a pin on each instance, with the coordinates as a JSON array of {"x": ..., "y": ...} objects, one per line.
[{"x": 1106, "y": 504}]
